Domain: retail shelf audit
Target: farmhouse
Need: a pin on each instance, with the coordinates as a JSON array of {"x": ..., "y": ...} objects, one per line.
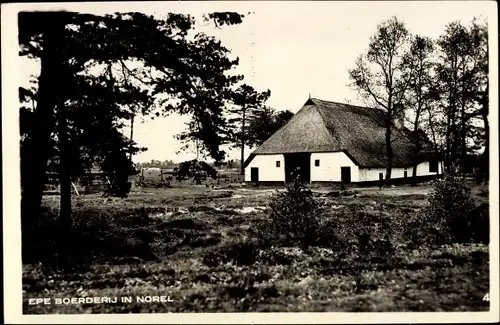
[{"x": 328, "y": 142}]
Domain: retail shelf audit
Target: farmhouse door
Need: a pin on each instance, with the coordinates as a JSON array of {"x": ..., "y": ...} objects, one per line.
[
  {"x": 345, "y": 175},
  {"x": 254, "y": 174},
  {"x": 298, "y": 164}
]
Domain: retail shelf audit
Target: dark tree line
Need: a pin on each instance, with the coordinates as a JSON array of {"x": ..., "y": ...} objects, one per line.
[
  {"x": 156, "y": 164},
  {"x": 264, "y": 123},
  {"x": 439, "y": 87}
]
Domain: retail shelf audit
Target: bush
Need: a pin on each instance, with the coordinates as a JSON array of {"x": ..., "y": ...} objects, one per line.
[
  {"x": 120, "y": 189},
  {"x": 478, "y": 225},
  {"x": 242, "y": 252},
  {"x": 419, "y": 230},
  {"x": 295, "y": 216},
  {"x": 199, "y": 170},
  {"x": 153, "y": 183},
  {"x": 375, "y": 234},
  {"x": 451, "y": 206}
]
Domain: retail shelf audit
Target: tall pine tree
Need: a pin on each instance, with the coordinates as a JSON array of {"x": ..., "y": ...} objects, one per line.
[{"x": 79, "y": 89}]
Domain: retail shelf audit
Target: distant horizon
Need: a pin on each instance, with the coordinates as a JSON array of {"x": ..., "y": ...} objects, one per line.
[{"x": 179, "y": 162}]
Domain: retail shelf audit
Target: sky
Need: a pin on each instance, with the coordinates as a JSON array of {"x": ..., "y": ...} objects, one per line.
[{"x": 296, "y": 49}]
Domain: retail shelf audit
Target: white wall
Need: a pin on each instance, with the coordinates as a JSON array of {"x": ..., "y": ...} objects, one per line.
[
  {"x": 371, "y": 174},
  {"x": 268, "y": 172},
  {"x": 329, "y": 167}
]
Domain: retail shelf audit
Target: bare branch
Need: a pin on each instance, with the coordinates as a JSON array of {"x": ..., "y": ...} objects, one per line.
[{"x": 131, "y": 73}]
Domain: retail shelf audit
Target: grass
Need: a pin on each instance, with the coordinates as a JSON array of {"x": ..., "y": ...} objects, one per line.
[{"x": 195, "y": 245}]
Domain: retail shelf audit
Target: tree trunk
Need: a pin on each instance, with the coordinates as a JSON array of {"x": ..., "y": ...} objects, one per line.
[
  {"x": 450, "y": 118},
  {"x": 486, "y": 155},
  {"x": 415, "y": 160},
  {"x": 388, "y": 170},
  {"x": 414, "y": 176},
  {"x": 454, "y": 130},
  {"x": 131, "y": 134},
  {"x": 463, "y": 133},
  {"x": 388, "y": 144},
  {"x": 454, "y": 144},
  {"x": 242, "y": 171},
  {"x": 388, "y": 133},
  {"x": 39, "y": 143},
  {"x": 436, "y": 148},
  {"x": 416, "y": 136},
  {"x": 64, "y": 168},
  {"x": 197, "y": 149},
  {"x": 447, "y": 157}
]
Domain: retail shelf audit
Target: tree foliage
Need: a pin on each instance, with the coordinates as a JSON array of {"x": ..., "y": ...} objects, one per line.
[
  {"x": 378, "y": 75},
  {"x": 265, "y": 123},
  {"x": 199, "y": 170},
  {"x": 97, "y": 71},
  {"x": 441, "y": 84},
  {"x": 156, "y": 164},
  {"x": 246, "y": 102},
  {"x": 453, "y": 212},
  {"x": 418, "y": 100},
  {"x": 462, "y": 78}
]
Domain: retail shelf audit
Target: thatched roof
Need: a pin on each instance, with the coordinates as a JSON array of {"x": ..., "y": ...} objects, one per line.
[{"x": 323, "y": 126}]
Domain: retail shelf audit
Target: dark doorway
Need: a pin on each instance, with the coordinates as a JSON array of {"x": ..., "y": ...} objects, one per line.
[
  {"x": 406, "y": 174},
  {"x": 345, "y": 175},
  {"x": 254, "y": 174},
  {"x": 298, "y": 163},
  {"x": 433, "y": 166},
  {"x": 381, "y": 176}
]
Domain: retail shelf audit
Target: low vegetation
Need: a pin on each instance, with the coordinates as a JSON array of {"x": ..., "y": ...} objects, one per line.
[
  {"x": 452, "y": 207},
  {"x": 295, "y": 217},
  {"x": 240, "y": 250}
]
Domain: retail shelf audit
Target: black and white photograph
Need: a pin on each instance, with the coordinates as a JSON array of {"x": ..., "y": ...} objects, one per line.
[{"x": 250, "y": 161}]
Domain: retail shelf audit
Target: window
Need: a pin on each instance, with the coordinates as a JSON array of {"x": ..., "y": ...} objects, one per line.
[
  {"x": 433, "y": 166},
  {"x": 278, "y": 163},
  {"x": 316, "y": 163}
]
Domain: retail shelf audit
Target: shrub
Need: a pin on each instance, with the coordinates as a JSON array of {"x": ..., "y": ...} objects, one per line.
[
  {"x": 451, "y": 204},
  {"x": 375, "y": 235},
  {"x": 119, "y": 189},
  {"x": 295, "y": 215},
  {"x": 419, "y": 230},
  {"x": 199, "y": 170},
  {"x": 153, "y": 183},
  {"x": 242, "y": 252},
  {"x": 478, "y": 225}
]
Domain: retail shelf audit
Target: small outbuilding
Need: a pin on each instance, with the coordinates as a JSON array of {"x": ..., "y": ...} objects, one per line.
[{"x": 328, "y": 142}]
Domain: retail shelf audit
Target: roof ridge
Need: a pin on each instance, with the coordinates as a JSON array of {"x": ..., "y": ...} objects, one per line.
[
  {"x": 375, "y": 110},
  {"x": 347, "y": 104}
]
